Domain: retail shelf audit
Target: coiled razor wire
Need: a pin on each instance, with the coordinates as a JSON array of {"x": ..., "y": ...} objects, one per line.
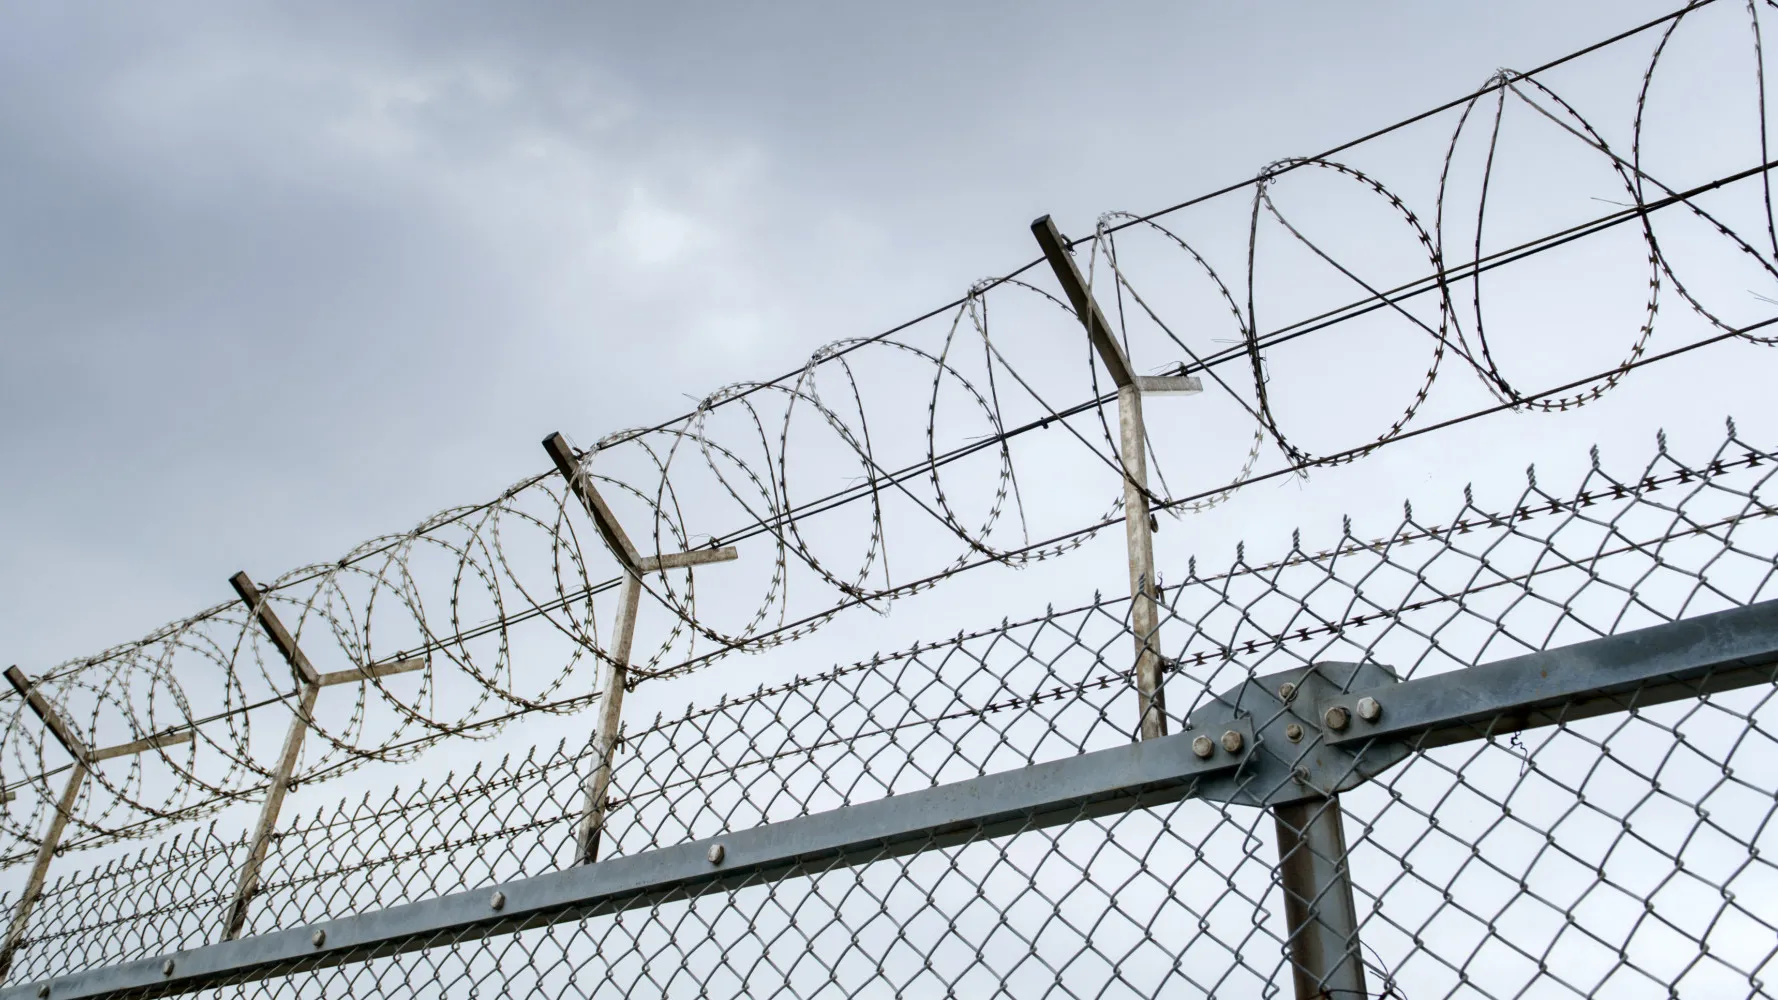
[
  {"x": 1612, "y": 856},
  {"x": 456, "y": 588}
]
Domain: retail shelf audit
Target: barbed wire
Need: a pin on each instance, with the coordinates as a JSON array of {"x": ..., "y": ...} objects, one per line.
[
  {"x": 948, "y": 494},
  {"x": 1597, "y": 548}
]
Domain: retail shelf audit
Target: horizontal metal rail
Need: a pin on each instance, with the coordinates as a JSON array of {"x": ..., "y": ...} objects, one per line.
[
  {"x": 1089, "y": 785},
  {"x": 1683, "y": 659},
  {"x": 1689, "y": 658}
]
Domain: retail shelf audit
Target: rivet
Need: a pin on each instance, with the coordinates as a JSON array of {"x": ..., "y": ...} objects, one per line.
[
  {"x": 1337, "y": 718},
  {"x": 319, "y": 937},
  {"x": 715, "y": 854},
  {"x": 167, "y": 967},
  {"x": 1369, "y": 710},
  {"x": 497, "y": 900},
  {"x": 1294, "y": 732},
  {"x": 1203, "y": 747},
  {"x": 1286, "y": 691},
  {"x": 1231, "y": 741}
]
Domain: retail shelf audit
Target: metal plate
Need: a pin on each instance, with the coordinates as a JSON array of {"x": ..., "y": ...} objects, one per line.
[{"x": 1283, "y": 770}]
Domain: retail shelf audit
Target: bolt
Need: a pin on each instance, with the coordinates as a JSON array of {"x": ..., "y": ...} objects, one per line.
[
  {"x": 497, "y": 900},
  {"x": 1369, "y": 710},
  {"x": 1337, "y": 718},
  {"x": 43, "y": 990},
  {"x": 1203, "y": 747},
  {"x": 715, "y": 854},
  {"x": 1294, "y": 732},
  {"x": 1286, "y": 691},
  {"x": 167, "y": 967},
  {"x": 1300, "y": 775},
  {"x": 319, "y": 937},
  {"x": 1231, "y": 741}
]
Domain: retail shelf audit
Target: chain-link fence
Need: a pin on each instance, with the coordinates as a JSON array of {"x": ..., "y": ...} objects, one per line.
[
  {"x": 1498, "y": 751},
  {"x": 1613, "y": 844}
]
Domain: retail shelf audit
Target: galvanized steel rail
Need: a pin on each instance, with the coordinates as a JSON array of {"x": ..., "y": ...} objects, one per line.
[{"x": 1683, "y": 659}]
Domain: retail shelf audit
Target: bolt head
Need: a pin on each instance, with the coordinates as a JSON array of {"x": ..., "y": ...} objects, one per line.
[
  {"x": 319, "y": 937},
  {"x": 1203, "y": 747},
  {"x": 1369, "y": 710},
  {"x": 1294, "y": 732},
  {"x": 715, "y": 854},
  {"x": 1337, "y": 718},
  {"x": 1231, "y": 741},
  {"x": 43, "y": 990},
  {"x": 167, "y": 967},
  {"x": 1286, "y": 691},
  {"x": 497, "y": 900}
]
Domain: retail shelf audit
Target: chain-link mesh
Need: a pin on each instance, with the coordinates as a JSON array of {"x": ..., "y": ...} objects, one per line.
[{"x": 1618, "y": 855}]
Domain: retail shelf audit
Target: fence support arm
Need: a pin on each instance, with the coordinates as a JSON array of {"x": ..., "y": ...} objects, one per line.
[
  {"x": 52, "y": 837},
  {"x": 591, "y": 823},
  {"x": 1133, "y": 450},
  {"x": 611, "y": 700},
  {"x": 310, "y": 682}
]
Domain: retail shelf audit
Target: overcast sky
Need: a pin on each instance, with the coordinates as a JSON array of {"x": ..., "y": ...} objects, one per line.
[
  {"x": 278, "y": 279},
  {"x": 274, "y": 280}
]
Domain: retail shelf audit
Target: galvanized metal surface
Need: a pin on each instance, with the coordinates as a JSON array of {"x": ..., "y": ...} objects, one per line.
[
  {"x": 569, "y": 465},
  {"x": 1133, "y": 459},
  {"x": 1145, "y": 619},
  {"x": 1074, "y": 286},
  {"x": 1619, "y": 854},
  {"x": 1249, "y": 761},
  {"x": 1102, "y": 783},
  {"x": 607, "y": 728},
  {"x": 46, "y": 852},
  {"x": 1327, "y": 959},
  {"x": 1313, "y": 765},
  {"x": 1169, "y": 385},
  {"x": 259, "y": 842},
  {"x": 45, "y": 712},
  {"x": 1030, "y": 692},
  {"x": 1677, "y": 661},
  {"x": 268, "y": 620}
]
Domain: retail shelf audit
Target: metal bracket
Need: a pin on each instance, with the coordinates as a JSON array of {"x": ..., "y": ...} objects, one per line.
[
  {"x": 1169, "y": 385},
  {"x": 591, "y": 825},
  {"x": 1145, "y": 622},
  {"x": 309, "y": 684},
  {"x": 1294, "y": 757},
  {"x": 84, "y": 759}
]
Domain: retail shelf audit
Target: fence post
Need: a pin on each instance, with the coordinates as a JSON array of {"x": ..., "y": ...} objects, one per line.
[
  {"x": 52, "y": 837},
  {"x": 310, "y": 682},
  {"x": 1319, "y": 911},
  {"x": 1133, "y": 452},
  {"x": 591, "y": 823},
  {"x": 617, "y": 674}
]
